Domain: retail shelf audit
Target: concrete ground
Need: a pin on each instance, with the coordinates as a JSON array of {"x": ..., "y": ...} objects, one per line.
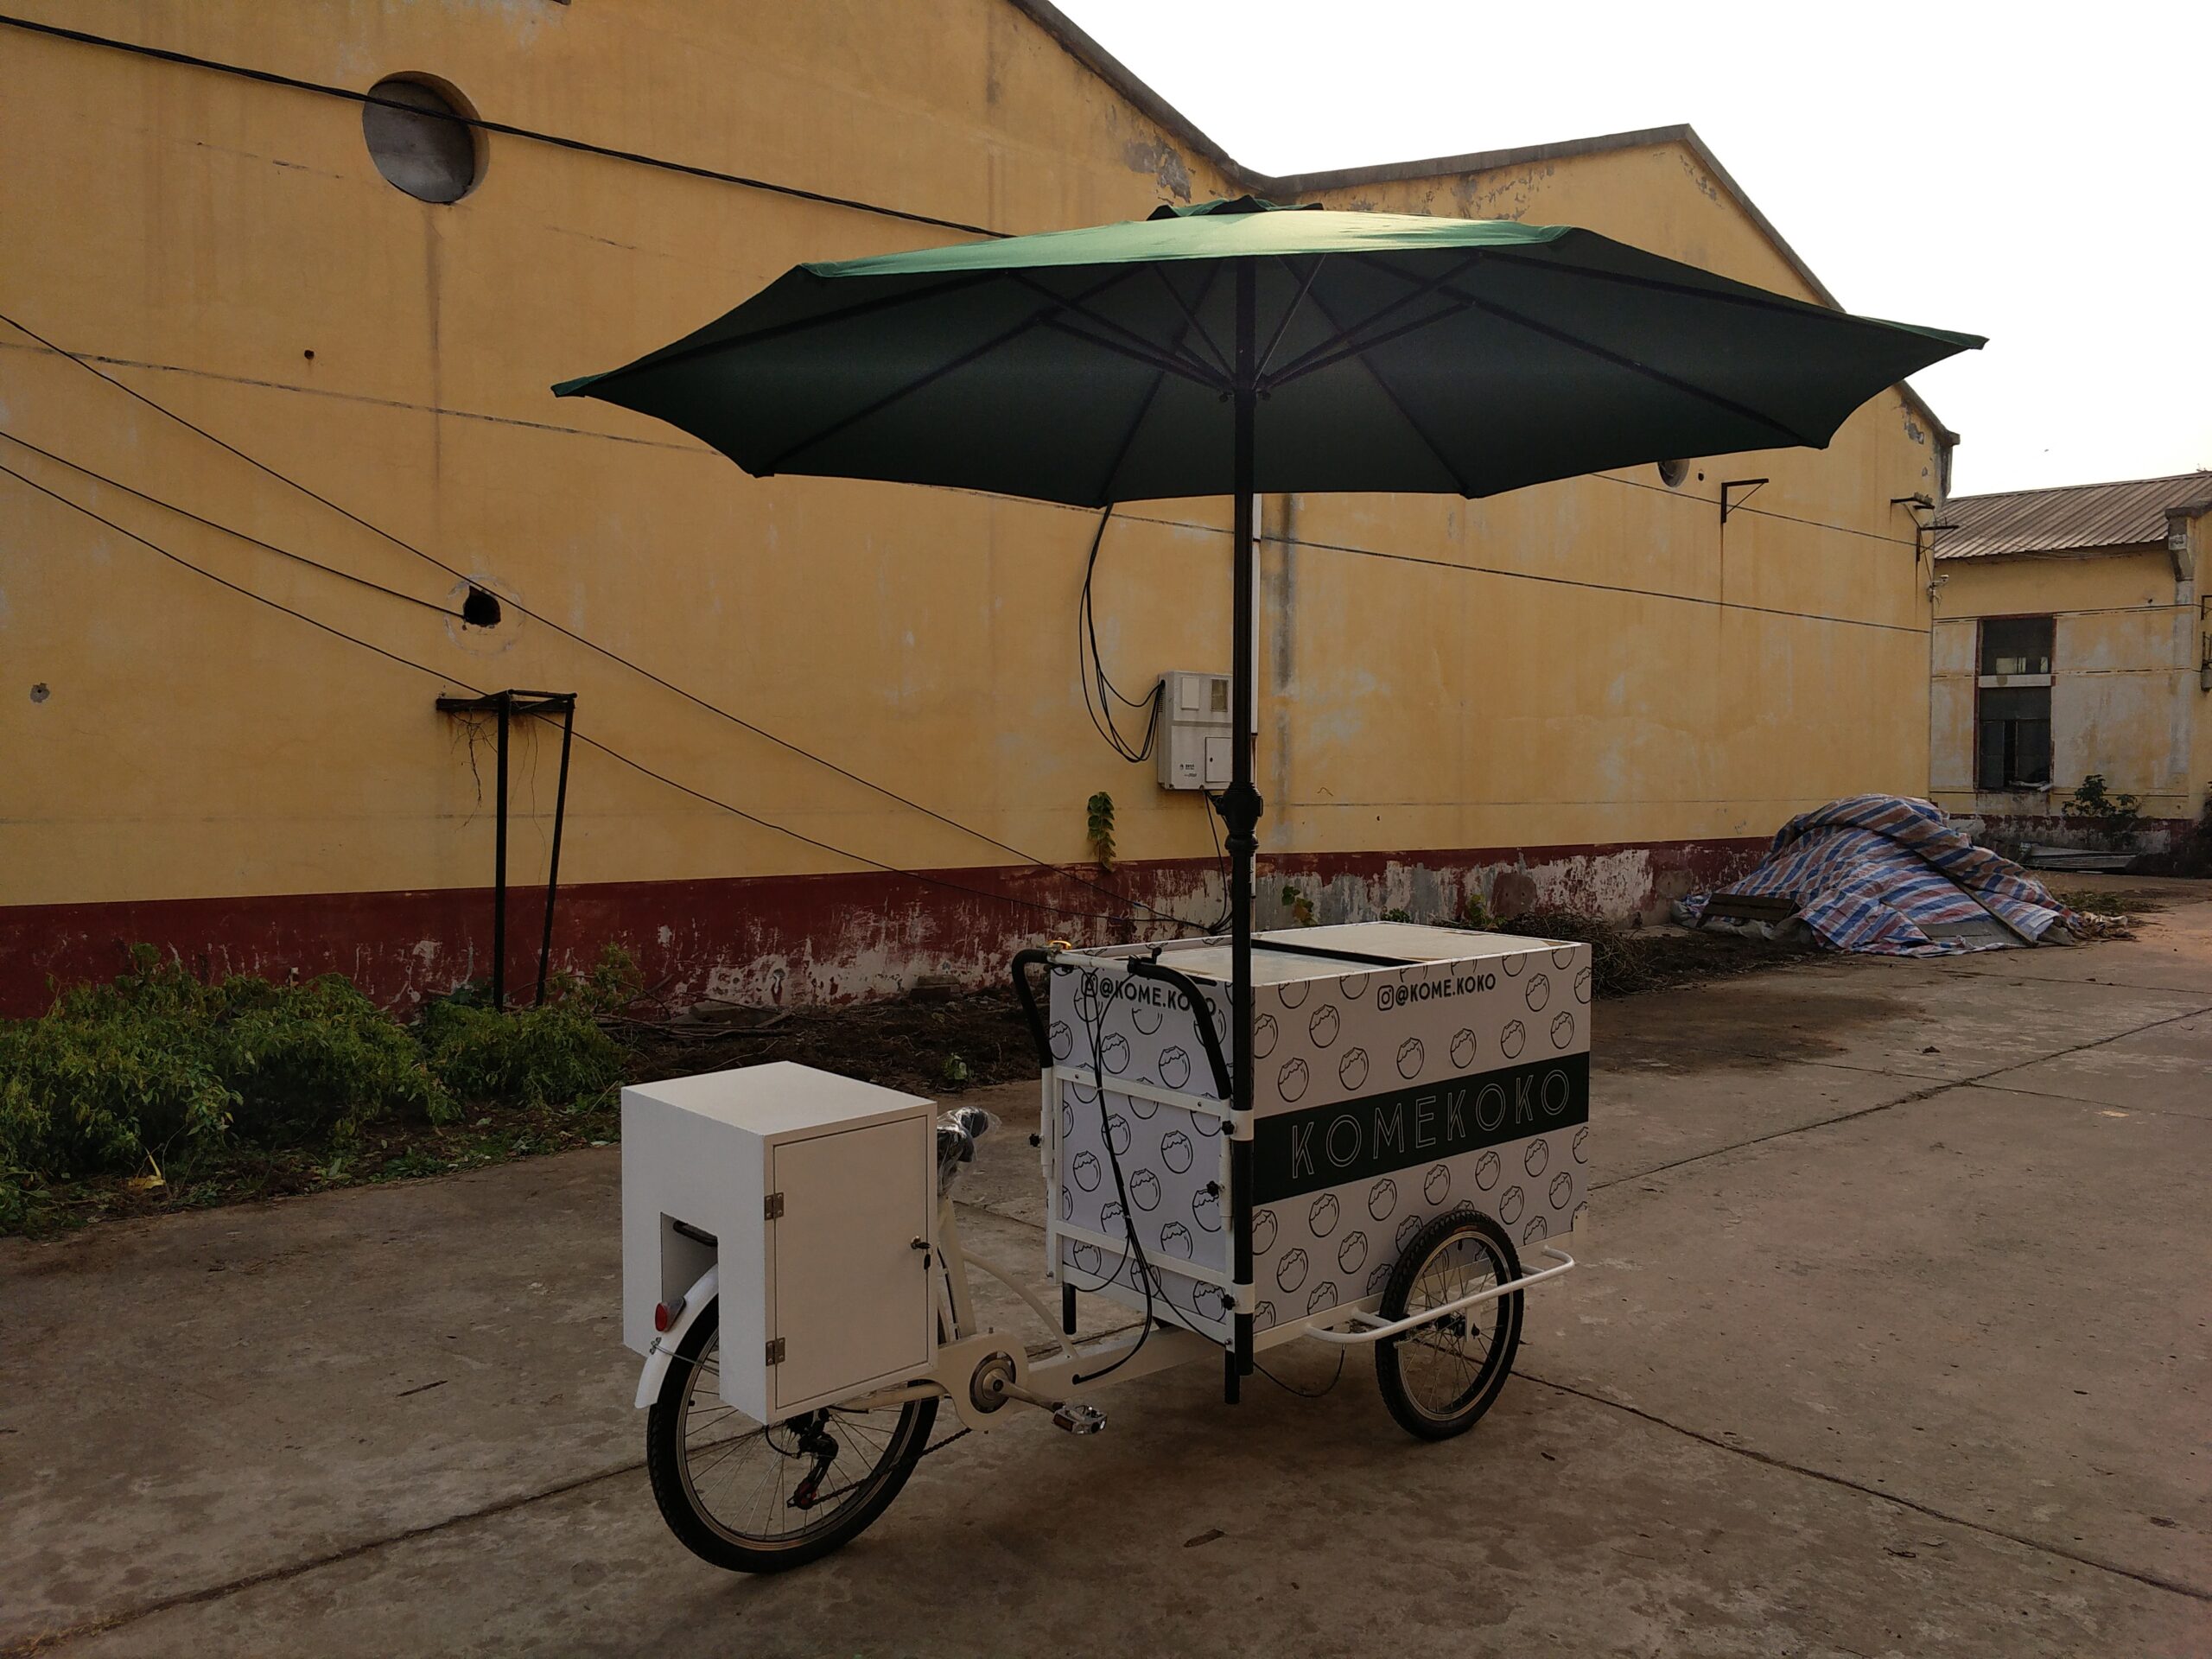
[{"x": 1891, "y": 1339}]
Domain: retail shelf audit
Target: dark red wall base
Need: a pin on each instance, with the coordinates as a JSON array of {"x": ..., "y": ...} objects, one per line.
[{"x": 776, "y": 939}]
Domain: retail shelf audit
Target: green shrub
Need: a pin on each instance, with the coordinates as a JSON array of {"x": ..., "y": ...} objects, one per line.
[
  {"x": 319, "y": 1057},
  {"x": 553, "y": 1055}
]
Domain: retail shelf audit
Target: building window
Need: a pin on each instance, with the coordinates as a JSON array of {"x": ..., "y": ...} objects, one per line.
[
  {"x": 425, "y": 146},
  {"x": 2012, "y": 704}
]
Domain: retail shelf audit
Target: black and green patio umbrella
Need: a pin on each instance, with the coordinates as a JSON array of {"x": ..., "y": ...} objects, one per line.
[{"x": 1235, "y": 347}]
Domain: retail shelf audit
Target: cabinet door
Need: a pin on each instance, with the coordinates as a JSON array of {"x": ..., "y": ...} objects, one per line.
[{"x": 852, "y": 1294}]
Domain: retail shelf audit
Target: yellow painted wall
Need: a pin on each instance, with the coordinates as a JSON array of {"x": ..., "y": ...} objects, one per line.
[
  {"x": 2126, "y": 700},
  {"x": 201, "y": 235}
]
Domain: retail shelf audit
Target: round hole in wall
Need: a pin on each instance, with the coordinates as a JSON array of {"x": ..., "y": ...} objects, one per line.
[
  {"x": 417, "y": 131},
  {"x": 1672, "y": 472}
]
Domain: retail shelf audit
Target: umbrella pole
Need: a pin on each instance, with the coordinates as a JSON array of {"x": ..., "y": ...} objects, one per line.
[{"x": 1240, "y": 812}]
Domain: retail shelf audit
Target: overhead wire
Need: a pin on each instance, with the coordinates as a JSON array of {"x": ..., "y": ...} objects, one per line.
[
  {"x": 294, "y": 83},
  {"x": 607, "y": 652},
  {"x": 231, "y": 531},
  {"x": 1060, "y": 911}
]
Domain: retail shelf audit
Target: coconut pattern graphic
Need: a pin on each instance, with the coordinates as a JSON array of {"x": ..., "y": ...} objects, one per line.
[
  {"x": 1536, "y": 1228},
  {"x": 1291, "y": 1081},
  {"x": 1509, "y": 1207},
  {"x": 1175, "y": 1239},
  {"x": 1062, "y": 1038},
  {"x": 1290, "y": 1272},
  {"x": 1207, "y": 1124},
  {"x": 1378, "y": 1279},
  {"x": 1538, "y": 992},
  {"x": 1143, "y": 1106},
  {"x": 1321, "y": 1217},
  {"x": 1210, "y": 1302},
  {"x": 1563, "y": 956},
  {"x": 1117, "y": 1132},
  {"x": 1323, "y": 1025},
  {"x": 1536, "y": 1157},
  {"x": 1486, "y": 1169},
  {"x": 1067, "y": 1204},
  {"x": 1513, "y": 965},
  {"x": 1409, "y": 1058},
  {"x": 1463, "y": 1049},
  {"x": 1263, "y": 1232},
  {"x": 1582, "y": 987},
  {"x": 1292, "y": 993},
  {"x": 1582, "y": 1145},
  {"x": 1352, "y": 987},
  {"x": 1579, "y": 1208},
  {"x": 1263, "y": 1036},
  {"x": 1114, "y": 1053},
  {"x": 1407, "y": 1229},
  {"x": 1205, "y": 1209},
  {"x": 1383, "y": 1199},
  {"x": 1325, "y": 1295},
  {"x": 1513, "y": 1040},
  {"x": 1175, "y": 1151},
  {"x": 1174, "y": 1068},
  {"x": 1562, "y": 1028},
  {"x": 1263, "y": 1315},
  {"x": 1144, "y": 1190},
  {"x": 1351, "y": 1070},
  {"x": 1067, "y": 1119},
  {"x": 1110, "y": 1218},
  {"x": 1090, "y": 1258},
  {"x": 1351, "y": 1255},
  {"x": 1436, "y": 1186},
  {"x": 1147, "y": 1017},
  {"x": 1085, "y": 1168},
  {"x": 1562, "y": 1190}
]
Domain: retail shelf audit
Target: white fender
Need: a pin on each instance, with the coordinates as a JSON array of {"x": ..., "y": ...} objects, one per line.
[{"x": 659, "y": 1357}]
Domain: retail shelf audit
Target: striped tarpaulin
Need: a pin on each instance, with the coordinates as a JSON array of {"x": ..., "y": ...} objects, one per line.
[{"x": 1886, "y": 874}]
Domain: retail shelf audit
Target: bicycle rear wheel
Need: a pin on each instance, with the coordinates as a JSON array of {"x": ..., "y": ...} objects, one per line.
[{"x": 764, "y": 1499}]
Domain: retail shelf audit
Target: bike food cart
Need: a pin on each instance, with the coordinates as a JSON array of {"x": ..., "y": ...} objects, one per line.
[{"x": 794, "y": 1275}]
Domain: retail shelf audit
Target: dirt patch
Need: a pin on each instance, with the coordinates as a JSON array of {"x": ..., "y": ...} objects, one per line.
[
  {"x": 1780, "y": 1023},
  {"x": 934, "y": 1047}
]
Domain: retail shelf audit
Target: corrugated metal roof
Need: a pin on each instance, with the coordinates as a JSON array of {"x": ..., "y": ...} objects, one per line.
[{"x": 2128, "y": 514}]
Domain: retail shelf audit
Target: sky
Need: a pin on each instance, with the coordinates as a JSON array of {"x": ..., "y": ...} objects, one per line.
[{"x": 2037, "y": 174}]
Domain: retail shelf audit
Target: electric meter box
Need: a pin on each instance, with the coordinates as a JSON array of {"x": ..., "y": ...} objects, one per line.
[
  {"x": 819, "y": 1195},
  {"x": 1194, "y": 743},
  {"x": 1399, "y": 1072}
]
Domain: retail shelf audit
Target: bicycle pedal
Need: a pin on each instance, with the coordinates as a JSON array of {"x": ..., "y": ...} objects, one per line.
[{"x": 1078, "y": 1419}]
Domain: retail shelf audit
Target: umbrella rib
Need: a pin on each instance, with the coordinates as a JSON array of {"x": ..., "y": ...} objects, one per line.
[
  {"x": 1620, "y": 359},
  {"x": 1605, "y": 353},
  {"x": 1297, "y": 373},
  {"x": 1213, "y": 269},
  {"x": 1404, "y": 414},
  {"x": 1780, "y": 303},
  {"x": 1189, "y": 368},
  {"x": 1305, "y": 361},
  {"x": 1282, "y": 324},
  {"x": 938, "y": 373},
  {"x": 798, "y": 325},
  {"x": 1104, "y": 492},
  {"x": 1137, "y": 346}
]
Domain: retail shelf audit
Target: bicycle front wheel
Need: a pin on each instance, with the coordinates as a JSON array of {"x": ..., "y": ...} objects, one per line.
[{"x": 764, "y": 1499}]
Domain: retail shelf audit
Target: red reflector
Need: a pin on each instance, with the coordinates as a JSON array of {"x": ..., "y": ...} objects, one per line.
[{"x": 663, "y": 1316}]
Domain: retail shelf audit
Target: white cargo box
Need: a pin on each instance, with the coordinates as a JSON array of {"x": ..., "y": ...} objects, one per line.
[
  {"x": 820, "y": 1194},
  {"x": 1399, "y": 1072}
]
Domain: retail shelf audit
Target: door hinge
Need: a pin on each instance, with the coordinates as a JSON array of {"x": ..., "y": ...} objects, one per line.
[
  {"x": 775, "y": 1351},
  {"x": 773, "y": 1206}
]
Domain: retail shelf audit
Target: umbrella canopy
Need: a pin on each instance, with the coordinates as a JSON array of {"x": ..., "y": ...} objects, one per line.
[
  {"x": 1388, "y": 353},
  {"x": 1234, "y": 348}
]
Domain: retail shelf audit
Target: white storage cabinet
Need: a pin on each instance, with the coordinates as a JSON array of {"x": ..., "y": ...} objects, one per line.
[{"x": 820, "y": 1193}]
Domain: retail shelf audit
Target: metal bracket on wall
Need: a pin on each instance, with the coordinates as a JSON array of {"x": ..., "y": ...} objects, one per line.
[
  {"x": 1750, "y": 487},
  {"x": 509, "y": 707},
  {"x": 1923, "y": 529}
]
